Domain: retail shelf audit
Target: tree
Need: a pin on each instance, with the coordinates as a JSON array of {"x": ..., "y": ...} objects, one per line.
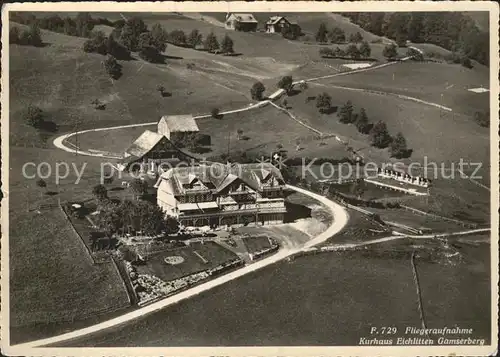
[
  {"x": 414, "y": 54},
  {"x": 130, "y": 32},
  {"x": 365, "y": 49},
  {"x": 116, "y": 49},
  {"x": 466, "y": 62},
  {"x": 14, "y": 35},
  {"x": 352, "y": 51},
  {"x": 291, "y": 32},
  {"x": 195, "y": 38},
  {"x": 338, "y": 52},
  {"x": 139, "y": 187},
  {"x": 257, "y": 90},
  {"x": 239, "y": 133},
  {"x": 42, "y": 184},
  {"x": 346, "y": 113},
  {"x": 100, "y": 192},
  {"x": 34, "y": 36},
  {"x": 324, "y": 102},
  {"x": 113, "y": 68},
  {"x": 355, "y": 37},
  {"x": 33, "y": 116},
  {"x": 178, "y": 37},
  {"x": 398, "y": 146},
  {"x": 390, "y": 51},
  {"x": 227, "y": 45},
  {"x": 171, "y": 225},
  {"x": 482, "y": 118},
  {"x": 211, "y": 43},
  {"x": 336, "y": 35},
  {"x": 215, "y": 112},
  {"x": 96, "y": 43},
  {"x": 286, "y": 83},
  {"x": 159, "y": 38},
  {"x": 145, "y": 40},
  {"x": 380, "y": 137},
  {"x": 83, "y": 24},
  {"x": 362, "y": 123},
  {"x": 322, "y": 33}
]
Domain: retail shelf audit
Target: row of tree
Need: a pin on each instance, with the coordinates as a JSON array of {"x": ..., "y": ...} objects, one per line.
[
  {"x": 335, "y": 35},
  {"x": 352, "y": 51},
  {"x": 195, "y": 40},
  {"x": 455, "y": 31},
  {"x": 26, "y": 37}
]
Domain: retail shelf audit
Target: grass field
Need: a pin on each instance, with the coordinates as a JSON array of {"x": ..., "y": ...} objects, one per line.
[
  {"x": 213, "y": 253},
  {"x": 51, "y": 278}
]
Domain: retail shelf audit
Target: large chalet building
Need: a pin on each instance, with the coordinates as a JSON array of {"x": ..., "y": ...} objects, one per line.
[{"x": 223, "y": 195}]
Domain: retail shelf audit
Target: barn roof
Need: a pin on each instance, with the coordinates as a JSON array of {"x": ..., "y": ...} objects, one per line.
[
  {"x": 180, "y": 123},
  {"x": 273, "y": 20},
  {"x": 244, "y": 18},
  {"x": 144, "y": 143}
]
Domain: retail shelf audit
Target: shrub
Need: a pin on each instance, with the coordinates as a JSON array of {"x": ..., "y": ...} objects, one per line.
[
  {"x": 324, "y": 102},
  {"x": 113, "y": 68},
  {"x": 257, "y": 90},
  {"x": 227, "y": 45},
  {"x": 380, "y": 137},
  {"x": 390, "y": 51},
  {"x": 286, "y": 83}
]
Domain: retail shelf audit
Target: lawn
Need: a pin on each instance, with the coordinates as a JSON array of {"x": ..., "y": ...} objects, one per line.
[
  {"x": 213, "y": 253},
  {"x": 52, "y": 280}
]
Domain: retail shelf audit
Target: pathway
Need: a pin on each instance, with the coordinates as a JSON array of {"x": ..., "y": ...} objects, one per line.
[{"x": 341, "y": 218}]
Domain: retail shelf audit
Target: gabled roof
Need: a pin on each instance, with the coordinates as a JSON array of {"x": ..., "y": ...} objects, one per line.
[
  {"x": 180, "y": 123},
  {"x": 144, "y": 143},
  {"x": 244, "y": 18}
]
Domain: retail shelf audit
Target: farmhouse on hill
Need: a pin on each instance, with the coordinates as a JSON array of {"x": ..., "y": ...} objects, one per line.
[
  {"x": 278, "y": 23},
  {"x": 149, "y": 146},
  {"x": 241, "y": 22},
  {"x": 223, "y": 195}
]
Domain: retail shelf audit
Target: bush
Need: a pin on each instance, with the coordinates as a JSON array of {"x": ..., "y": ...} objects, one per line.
[
  {"x": 215, "y": 112},
  {"x": 466, "y": 62},
  {"x": 324, "y": 102}
]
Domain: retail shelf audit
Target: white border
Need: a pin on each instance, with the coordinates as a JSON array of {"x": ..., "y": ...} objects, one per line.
[{"x": 298, "y": 6}]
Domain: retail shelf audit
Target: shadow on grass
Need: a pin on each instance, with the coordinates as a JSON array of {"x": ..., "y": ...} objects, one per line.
[
  {"x": 330, "y": 110},
  {"x": 117, "y": 189},
  {"x": 295, "y": 211},
  {"x": 293, "y": 92},
  {"x": 167, "y": 57}
]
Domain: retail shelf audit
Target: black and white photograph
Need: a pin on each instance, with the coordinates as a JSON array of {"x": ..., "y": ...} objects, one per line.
[{"x": 250, "y": 178}]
